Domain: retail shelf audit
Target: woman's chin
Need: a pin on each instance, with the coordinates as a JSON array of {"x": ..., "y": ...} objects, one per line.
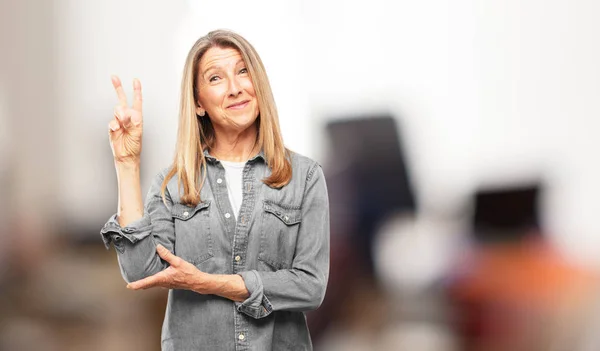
[{"x": 238, "y": 124}]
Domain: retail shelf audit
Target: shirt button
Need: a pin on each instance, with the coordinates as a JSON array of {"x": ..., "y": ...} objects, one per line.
[
  {"x": 186, "y": 213},
  {"x": 219, "y": 180},
  {"x": 241, "y": 337},
  {"x": 227, "y": 215},
  {"x": 237, "y": 258}
]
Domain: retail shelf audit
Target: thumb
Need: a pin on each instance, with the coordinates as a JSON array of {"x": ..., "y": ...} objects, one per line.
[{"x": 166, "y": 254}]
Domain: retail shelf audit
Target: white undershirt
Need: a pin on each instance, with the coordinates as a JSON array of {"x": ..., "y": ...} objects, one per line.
[{"x": 233, "y": 178}]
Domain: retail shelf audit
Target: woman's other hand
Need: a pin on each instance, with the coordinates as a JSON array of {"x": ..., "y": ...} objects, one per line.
[
  {"x": 125, "y": 130},
  {"x": 184, "y": 275},
  {"x": 180, "y": 275}
]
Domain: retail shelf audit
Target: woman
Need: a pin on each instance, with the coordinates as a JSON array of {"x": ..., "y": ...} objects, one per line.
[{"x": 238, "y": 226}]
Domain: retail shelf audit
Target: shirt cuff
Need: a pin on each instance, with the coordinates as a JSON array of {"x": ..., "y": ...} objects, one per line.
[
  {"x": 257, "y": 305},
  {"x": 134, "y": 232}
]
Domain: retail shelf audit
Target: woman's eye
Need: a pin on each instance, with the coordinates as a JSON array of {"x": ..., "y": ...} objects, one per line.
[
  {"x": 243, "y": 70},
  {"x": 213, "y": 78}
]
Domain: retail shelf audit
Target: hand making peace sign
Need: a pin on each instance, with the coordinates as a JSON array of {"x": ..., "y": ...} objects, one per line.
[{"x": 125, "y": 130}]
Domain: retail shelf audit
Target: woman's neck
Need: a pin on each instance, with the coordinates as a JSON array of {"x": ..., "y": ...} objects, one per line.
[{"x": 235, "y": 147}]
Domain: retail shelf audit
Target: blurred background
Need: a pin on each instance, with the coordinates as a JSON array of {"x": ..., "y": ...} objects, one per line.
[{"x": 459, "y": 140}]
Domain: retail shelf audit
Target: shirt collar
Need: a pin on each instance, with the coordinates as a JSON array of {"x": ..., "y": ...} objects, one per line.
[{"x": 260, "y": 155}]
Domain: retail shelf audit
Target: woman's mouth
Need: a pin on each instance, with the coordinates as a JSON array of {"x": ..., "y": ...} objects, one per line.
[{"x": 239, "y": 105}]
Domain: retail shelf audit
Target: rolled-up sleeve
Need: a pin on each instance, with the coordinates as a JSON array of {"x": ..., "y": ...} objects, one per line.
[
  {"x": 302, "y": 287},
  {"x": 136, "y": 243},
  {"x": 134, "y": 232}
]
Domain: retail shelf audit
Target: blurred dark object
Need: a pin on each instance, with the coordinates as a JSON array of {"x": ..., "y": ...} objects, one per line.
[
  {"x": 507, "y": 214},
  {"x": 368, "y": 153},
  {"x": 367, "y": 181},
  {"x": 374, "y": 154}
]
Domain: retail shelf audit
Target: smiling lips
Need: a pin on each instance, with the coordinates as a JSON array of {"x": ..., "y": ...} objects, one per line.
[{"x": 238, "y": 106}]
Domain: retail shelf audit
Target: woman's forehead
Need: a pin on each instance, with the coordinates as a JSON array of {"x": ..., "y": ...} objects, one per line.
[{"x": 218, "y": 57}]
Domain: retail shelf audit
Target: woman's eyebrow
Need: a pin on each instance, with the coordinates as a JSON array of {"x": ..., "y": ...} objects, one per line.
[
  {"x": 211, "y": 68},
  {"x": 216, "y": 67}
]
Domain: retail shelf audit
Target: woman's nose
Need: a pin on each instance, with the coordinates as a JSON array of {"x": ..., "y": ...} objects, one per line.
[{"x": 235, "y": 88}]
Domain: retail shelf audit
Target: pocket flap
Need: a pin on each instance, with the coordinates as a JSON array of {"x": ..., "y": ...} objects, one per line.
[
  {"x": 185, "y": 212},
  {"x": 287, "y": 215}
]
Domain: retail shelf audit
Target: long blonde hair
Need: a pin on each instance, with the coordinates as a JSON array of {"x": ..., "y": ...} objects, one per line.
[{"x": 196, "y": 134}]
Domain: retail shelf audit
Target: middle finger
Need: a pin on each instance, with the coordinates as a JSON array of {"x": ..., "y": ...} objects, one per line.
[{"x": 123, "y": 115}]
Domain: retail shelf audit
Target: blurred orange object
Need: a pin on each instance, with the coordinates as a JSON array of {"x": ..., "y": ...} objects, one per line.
[{"x": 519, "y": 296}]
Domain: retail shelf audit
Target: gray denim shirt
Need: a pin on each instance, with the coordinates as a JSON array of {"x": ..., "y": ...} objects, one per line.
[{"x": 279, "y": 245}]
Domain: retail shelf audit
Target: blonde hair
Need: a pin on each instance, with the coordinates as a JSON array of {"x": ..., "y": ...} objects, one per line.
[{"x": 196, "y": 134}]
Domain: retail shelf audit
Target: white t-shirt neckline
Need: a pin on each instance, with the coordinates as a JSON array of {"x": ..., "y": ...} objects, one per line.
[{"x": 234, "y": 179}]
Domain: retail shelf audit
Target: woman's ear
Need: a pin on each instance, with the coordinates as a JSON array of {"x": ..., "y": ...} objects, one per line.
[{"x": 200, "y": 111}]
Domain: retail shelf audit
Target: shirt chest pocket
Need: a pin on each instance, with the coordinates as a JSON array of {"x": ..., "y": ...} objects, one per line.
[
  {"x": 193, "y": 240},
  {"x": 280, "y": 225}
]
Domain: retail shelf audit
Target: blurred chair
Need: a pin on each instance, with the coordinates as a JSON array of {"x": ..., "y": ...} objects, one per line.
[
  {"x": 512, "y": 290},
  {"x": 367, "y": 158},
  {"x": 367, "y": 181}
]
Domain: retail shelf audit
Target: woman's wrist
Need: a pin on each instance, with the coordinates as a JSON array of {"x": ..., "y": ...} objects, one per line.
[
  {"x": 229, "y": 286},
  {"x": 127, "y": 166},
  {"x": 131, "y": 205}
]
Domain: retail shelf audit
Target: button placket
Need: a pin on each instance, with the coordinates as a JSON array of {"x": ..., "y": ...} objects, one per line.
[{"x": 240, "y": 241}]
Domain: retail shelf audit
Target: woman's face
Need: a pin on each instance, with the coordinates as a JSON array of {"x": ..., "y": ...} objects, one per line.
[{"x": 225, "y": 90}]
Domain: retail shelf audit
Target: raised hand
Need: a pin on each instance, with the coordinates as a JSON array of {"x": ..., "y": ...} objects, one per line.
[{"x": 125, "y": 130}]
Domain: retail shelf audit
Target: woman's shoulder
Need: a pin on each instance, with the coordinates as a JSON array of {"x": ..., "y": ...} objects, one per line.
[
  {"x": 299, "y": 159},
  {"x": 302, "y": 164},
  {"x": 160, "y": 177},
  {"x": 162, "y": 174}
]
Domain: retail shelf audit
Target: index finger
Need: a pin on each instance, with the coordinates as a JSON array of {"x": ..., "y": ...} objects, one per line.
[
  {"x": 146, "y": 283},
  {"x": 116, "y": 82}
]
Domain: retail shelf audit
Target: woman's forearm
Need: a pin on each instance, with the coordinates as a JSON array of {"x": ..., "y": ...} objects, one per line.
[
  {"x": 229, "y": 286},
  {"x": 131, "y": 205}
]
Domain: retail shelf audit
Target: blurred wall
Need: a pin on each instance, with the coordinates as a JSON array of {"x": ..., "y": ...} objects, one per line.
[
  {"x": 132, "y": 39},
  {"x": 28, "y": 115},
  {"x": 487, "y": 91}
]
